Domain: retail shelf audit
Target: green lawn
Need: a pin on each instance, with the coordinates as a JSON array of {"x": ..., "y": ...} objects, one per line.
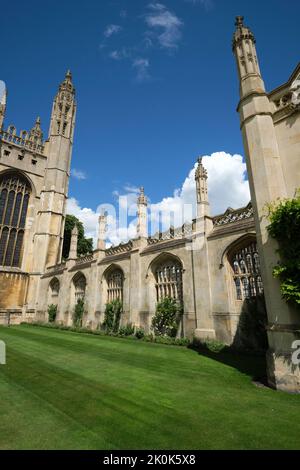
[{"x": 63, "y": 390}]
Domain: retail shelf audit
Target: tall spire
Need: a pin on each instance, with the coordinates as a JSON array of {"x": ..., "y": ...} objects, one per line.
[
  {"x": 243, "y": 45},
  {"x": 201, "y": 190},
  {"x": 142, "y": 202},
  {"x": 63, "y": 111}
]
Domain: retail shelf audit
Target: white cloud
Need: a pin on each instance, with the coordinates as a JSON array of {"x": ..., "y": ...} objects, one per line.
[
  {"x": 78, "y": 174},
  {"x": 165, "y": 26},
  {"x": 88, "y": 217},
  {"x": 119, "y": 54},
  {"x": 111, "y": 29},
  {"x": 227, "y": 187},
  {"x": 142, "y": 69}
]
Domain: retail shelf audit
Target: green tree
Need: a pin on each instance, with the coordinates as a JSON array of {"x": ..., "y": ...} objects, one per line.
[{"x": 85, "y": 245}]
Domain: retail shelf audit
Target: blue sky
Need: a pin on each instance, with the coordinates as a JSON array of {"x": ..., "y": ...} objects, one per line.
[{"x": 156, "y": 82}]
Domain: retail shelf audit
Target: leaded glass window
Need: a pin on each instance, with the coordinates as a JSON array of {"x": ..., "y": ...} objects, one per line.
[
  {"x": 246, "y": 272},
  {"x": 115, "y": 283},
  {"x": 80, "y": 286},
  {"x": 14, "y": 198},
  {"x": 54, "y": 290},
  {"x": 169, "y": 281}
]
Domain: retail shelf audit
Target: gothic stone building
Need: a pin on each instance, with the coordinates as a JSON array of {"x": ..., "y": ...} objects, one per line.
[{"x": 212, "y": 266}]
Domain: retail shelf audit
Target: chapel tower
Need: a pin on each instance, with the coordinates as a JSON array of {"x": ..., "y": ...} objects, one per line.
[
  {"x": 268, "y": 171},
  {"x": 58, "y": 148}
]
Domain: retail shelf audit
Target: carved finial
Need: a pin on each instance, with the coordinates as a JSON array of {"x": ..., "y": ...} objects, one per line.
[
  {"x": 242, "y": 32},
  {"x": 36, "y": 134},
  {"x": 142, "y": 199},
  {"x": 69, "y": 75},
  {"x": 67, "y": 84},
  {"x": 201, "y": 172},
  {"x": 239, "y": 21}
]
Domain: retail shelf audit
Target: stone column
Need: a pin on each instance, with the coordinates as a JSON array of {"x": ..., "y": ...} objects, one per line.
[
  {"x": 266, "y": 185},
  {"x": 102, "y": 231},
  {"x": 200, "y": 258}
]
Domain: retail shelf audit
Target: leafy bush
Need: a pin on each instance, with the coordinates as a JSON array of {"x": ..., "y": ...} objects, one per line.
[
  {"x": 127, "y": 330},
  {"x": 112, "y": 316},
  {"x": 52, "y": 312},
  {"x": 147, "y": 338},
  {"x": 285, "y": 228},
  {"x": 171, "y": 340},
  {"x": 167, "y": 317},
  {"x": 139, "y": 333},
  {"x": 211, "y": 345},
  {"x": 78, "y": 313}
]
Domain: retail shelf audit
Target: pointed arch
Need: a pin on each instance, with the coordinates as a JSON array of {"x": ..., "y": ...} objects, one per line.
[
  {"x": 243, "y": 260},
  {"x": 165, "y": 255},
  {"x": 15, "y": 193},
  {"x": 114, "y": 277},
  {"x": 53, "y": 289},
  {"x": 167, "y": 271},
  {"x": 79, "y": 282}
]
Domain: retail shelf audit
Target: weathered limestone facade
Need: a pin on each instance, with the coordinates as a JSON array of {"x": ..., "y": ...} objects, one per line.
[{"x": 212, "y": 266}]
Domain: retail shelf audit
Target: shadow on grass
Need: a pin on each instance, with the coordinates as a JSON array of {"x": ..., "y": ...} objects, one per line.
[{"x": 253, "y": 365}]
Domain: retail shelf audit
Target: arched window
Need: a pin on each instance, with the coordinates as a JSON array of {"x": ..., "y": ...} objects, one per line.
[
  {"x": 168, "y": 276},
  {"x": 54, "y": 291},
  {"x": 14, "y": 198},
  {"x": 115, "y": 281},
  {"x": 80, "y": 286},
  {"x": 246, "y": 271}
]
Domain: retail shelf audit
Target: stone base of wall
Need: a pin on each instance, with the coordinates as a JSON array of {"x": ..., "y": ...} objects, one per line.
[
  {"x": 204, "y": 334},
  {"x": 10, "y": 317},
  {"x": 282, "y": 373}
]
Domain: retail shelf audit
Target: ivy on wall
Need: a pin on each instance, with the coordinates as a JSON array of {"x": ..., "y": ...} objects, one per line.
[
  {"x": 285, "y": 228},
  {"x": 78, "y": 313},
  {"x": 167, "y": 317},
  {"x": 112, "y": 315},
  {"x": 52, "y": 312}
]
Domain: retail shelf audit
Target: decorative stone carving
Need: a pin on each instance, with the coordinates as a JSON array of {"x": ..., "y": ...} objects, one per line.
[{"x": 231, "y": 215}]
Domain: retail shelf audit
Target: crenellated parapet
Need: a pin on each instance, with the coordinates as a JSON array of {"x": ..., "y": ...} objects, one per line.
[
  {"x": 32, "y": 140},
  {"x": 186, "y": 230},
  {"x": 121, "y": 248}
]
